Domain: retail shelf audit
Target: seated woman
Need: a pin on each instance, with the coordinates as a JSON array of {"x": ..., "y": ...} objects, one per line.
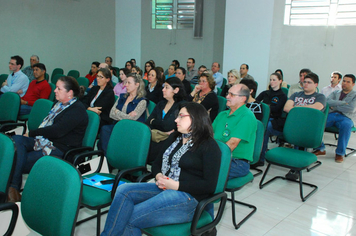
[
  {"x": 101, "y": 98},
  {"x": 61, "y": 130},
  {"x": 203, "y": 93},
  {"x": 114, "y": 79},
  {"x": 163, "y": 116},
  {"x": 154, "y": 86},
  {"x": 276, "y": 99},
  {"x": 131, "y": 105},
  {"x": 171, "y": 71},
  {"x": 120, "y": 88},
  {"x": 148, "y": 66},
  {"x": 93, "y": 72},
  {"x": 233, "y": 77},
  {"x": 180, "y": 74},
  {"x": 129, "y": 65},
  {"x": 186, "y": 171}
]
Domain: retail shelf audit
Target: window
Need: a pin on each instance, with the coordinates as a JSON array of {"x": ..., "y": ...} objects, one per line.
[
  {"x": 320, "y": 12},
  {"x": 172, "y": 14}
]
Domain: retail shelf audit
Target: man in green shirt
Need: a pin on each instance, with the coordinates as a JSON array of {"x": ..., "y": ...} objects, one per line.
[{"x": 237, "y": 128}]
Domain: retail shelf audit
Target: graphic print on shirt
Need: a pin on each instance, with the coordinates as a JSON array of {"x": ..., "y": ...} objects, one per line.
[{"x": 301, "y": 101}]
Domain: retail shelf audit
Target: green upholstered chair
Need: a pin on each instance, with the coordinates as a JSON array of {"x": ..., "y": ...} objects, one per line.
[
  {"x": 304, "y": 127},
  {"x": 192, "y": 86},
  {"x": 335, "y": 131},
  {"x": 3, "y": 77},
  {"x": 51, "y": 197},
  {"x": 52, "y": 96},
  {"x": 222, "y": 103},
  {"x": 47, "y": 77},
  {"x": 82, "y": 81},
  {"x": 223, "y": 83},
  {"x": 74, "y": 73},
  {"x": 266, "y": 114},
  {"x": 145, "y": 81},
  {"x": 7, "y": 160},
  {"x": 127, "y": 151},
  {"x": 55, "y": 72},
  {"x": 285, "y": 91},
  {"x": 55, "y": 78},
  {"x": 9, "y": 110},
  {"x": 236, "y": 184},
  {"x": 202, "y": 221},
  {"x": 218, "y": 91},
  {"x": 150, "y": 107},
  {"x": 88, "y": 141}
]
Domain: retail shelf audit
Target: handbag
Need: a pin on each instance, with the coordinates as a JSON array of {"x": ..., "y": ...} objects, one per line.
[{"x": 158, "y": 135}]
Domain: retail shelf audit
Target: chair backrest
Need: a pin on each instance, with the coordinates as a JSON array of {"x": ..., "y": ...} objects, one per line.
[
  {"x": 3, "y": 77},
  {"x": 56, "y": 71},
  {"x": 51, "y": 197},
  {"x": 9, "y": 107},
  {"x": 265, "y": 114},
  {"x": 151, "y": 106},
  {"x": 52, "y": 95},
  {"x": 128, "y": 145},
  {"x": 82, "y": 81},
  {"x": 55, "y": 78},
  {"x": 285, "y": 91},
  {"x": 224, "y": 166},
  {"x": 258, "y": 142},
  {"x": 39, "y": 111},
  {"x": 91, "y": 130},
  {"x": 219, "y": 90},
  {"x": 223, "y": 83},
  {"x": 7, "y": 160},
  {"x": 222, "y": 103},
  {"x": 47, "y": 77},
  {"x": 74, "y": 73},
  {"x": 304, "y": 127}
]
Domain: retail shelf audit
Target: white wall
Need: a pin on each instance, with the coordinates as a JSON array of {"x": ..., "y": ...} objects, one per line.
[
  {"x": 248, "y": 25},
  {"x": 63, "y": 33},
  {"x": 319, "y": 48}
]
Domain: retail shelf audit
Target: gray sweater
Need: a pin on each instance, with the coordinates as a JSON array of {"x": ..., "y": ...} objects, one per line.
[{"x": 346, "y": 106}]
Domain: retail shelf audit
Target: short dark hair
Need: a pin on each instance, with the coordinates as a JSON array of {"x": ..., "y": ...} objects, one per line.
[
  {"x": 109, "y": 58},
  {"x": 133, "y": 59},
  {"x": 350, "y": 76},
  {"x": 201, "y": 128},
  {"x": 18, "y": 59},
  {"x": 174, "y": 82},
  {"x": 313, "y": 77},
  {"x": 202, "y": 66},
  {"x": 244, "y": 92},
  {"x": 176, "y": 62},
  {"x": 251, "y": 84},
  {"x": 130, "y": 62},
  {"x": 70, "y": 84},
  {"x": 182, "y": 69},
  {"x": 338, "y": 74},
  {"x": 247, "y": 67},
  {"x": 125, "y": 70},
  {"x": 305, "y": 70},
  {"x": 175, "y": 67},
  {"x": 192, "y": 59},
  {"x": 151, "y": 64},
  {"x": 41, "y": 66}
]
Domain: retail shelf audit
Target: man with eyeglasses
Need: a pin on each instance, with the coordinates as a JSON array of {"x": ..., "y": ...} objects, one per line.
[
  {"x": 334, "y": 84},
  {"x": 17, "y": 81},
  {"x": 342, "y": 114},
  {"x": 298, "y": 87},
  {"x": 237, "y": 128},
  {"x": 191, "y": 71},
  {"x": 201, "y": 70}
]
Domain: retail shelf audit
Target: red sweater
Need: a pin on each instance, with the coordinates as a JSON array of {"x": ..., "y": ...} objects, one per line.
[
  {"x": 91, "y": 77},
  {"x": 37, "y": 90}
]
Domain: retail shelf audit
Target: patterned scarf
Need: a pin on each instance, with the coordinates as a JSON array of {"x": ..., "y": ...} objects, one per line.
[
  {"x": 199, "y": 99},
  {"x": 42, "y": 143},
  {"x": 173, "y": 167}
]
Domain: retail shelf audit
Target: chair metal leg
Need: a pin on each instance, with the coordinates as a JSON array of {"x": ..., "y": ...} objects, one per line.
[
  {"x": 98, "y": 216},
  {"x": 315, "y": 164},
  {"x": 259, "y": 171},
  {"x": 233, "y": 201},
  {"x": 353, "y": 150}
]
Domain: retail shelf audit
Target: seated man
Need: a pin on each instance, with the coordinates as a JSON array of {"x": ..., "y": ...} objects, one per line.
[
  {"x": 237, "y": 128},
  {"x": 219, "y": 78},
  {"x": 38, "y": 88},
  {"x": 16, "y": 82},
  {"x": 334, "y": 84},
  {"x": 298, "y": 87},
  {"x": 342, "y": 113},
  {"x": 34, "y": 59}
]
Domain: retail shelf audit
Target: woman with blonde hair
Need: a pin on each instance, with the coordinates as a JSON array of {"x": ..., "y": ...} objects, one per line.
[{"x": 233, "y": 77}]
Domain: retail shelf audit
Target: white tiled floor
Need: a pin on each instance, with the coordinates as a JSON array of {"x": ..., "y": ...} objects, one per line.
[{"x": 280, "y": 211}]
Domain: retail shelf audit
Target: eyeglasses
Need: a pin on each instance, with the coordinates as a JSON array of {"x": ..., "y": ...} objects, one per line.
[
  {"x": 308, "y": 82},
  {"x": 180, "y": 116},
  {"x": 234, "y": 94},
  {"x": 100, "y": 77}
]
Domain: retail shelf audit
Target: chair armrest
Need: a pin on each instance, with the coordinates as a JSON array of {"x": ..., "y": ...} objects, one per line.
[
  {"x": 121, "y": 174},
  {"x": 10, "y": 124},
  {"x": 145, "y": 177},
  {"x": 77, "y": 150},
  {"x": 80, "y": 158},
  {"x": 201, "y": 207},
  {"x": 15, "y": 212}
]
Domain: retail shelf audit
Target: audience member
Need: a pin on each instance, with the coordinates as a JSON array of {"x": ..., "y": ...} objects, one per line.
[
  {"x": 191, "y": 71},
  {"x": 148, "y": 66},
  {"x": 161, "y": 70},
  {"x": 298, "y": 87},
  {"x": 108, "y": 61},
  {"x": 203, "y": 93},
  {"x": 154, "y": 86},
  {"x": 133, "y": 60},
  {"x": 252, "y": 104},
  {"x": 94, "y": 83},
  {"x": 175, "y": 63},
  {"x": 180, "y": 74},
  {"x": 233, "y": 77},
  {"x": 93, "y": 71},
  {"x": 334, "y": 84},
  {"x": 195, "y": 79},
  {"x": 34, "y": 59},
  {"x": 58, "y": 133},
  {"x": 237, "y": 128},
  {"x": 186, "y": 171},
  {"x": 101, "y": 98},
  {"x": 219, "y": 78},
  {"x": 129, "y": 65},
  {"x": 38, "y": 88},
  {"x": 284, "y": 84},
  {"x": 342, "y": 114},
  {"x": 243, "y": 72},
  {"x": 17, "y": 81},
  {"x": 171, "y": 71},
  {"x": 114, "y": 79},
  {"x": 120, "y": 88}
]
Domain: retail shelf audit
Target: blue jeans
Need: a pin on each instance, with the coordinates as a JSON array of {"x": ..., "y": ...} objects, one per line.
[
  {"x": 105, "y": 134},
  {"x": 238, "y": 168},
  {"x": 25, "y": 109},
  {"x": 143, "y": 205},
  {"x": 269, "y": 132},
  {"x": 26, "y": 158},
  {"x": 344, "y": 124}
]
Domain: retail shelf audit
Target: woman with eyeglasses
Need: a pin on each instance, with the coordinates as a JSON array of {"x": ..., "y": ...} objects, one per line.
[
  {"x": 203, "y": 93},
  {"x": 148, "y": 66},
  {"x": 130, "y": 105},
  {"x": 185, "y": 172},
  {"x": 101, "y": 98}
]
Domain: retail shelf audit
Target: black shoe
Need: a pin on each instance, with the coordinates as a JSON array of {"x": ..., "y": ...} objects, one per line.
[
  {"x": 212, "y": 232},
  {"x": 257, "y": 164},
  {"x": 292, "y": 175}
]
